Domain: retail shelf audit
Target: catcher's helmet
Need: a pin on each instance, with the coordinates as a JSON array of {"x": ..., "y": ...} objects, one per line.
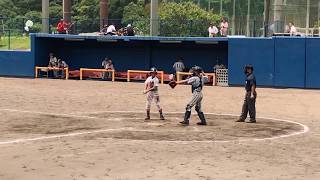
[{"x": 197, "y": 69}]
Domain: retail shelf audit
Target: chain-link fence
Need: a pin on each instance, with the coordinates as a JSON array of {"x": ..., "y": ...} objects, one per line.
[{"x": 245, "y": 17}]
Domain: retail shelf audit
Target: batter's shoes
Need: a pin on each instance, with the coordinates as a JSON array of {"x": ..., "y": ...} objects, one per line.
[
  {"x": 162, "y": 117},
  {"x": 185, "y": 123},
  {"x": 147, "y": 118},
  {"x": 240, "y": 120}
]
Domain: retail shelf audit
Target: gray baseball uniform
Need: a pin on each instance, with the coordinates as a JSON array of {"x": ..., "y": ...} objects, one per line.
[{"x": 197, "y": 83}]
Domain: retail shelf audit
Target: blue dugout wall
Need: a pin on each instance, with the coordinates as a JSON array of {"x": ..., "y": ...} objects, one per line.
[
  {"x": 16, "y": 63},
  {"x": 312, "y": 63},
  {"x": 256, "y": 51},
  {"x": 278, "y": 61}
]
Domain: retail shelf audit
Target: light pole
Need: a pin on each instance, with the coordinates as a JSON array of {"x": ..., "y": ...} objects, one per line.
[
  {"x": 248, "y": 19},
  {"x": 67, "y": 11},
  {"x": 308, "y": 18},
  {"x": 233, "y": 31},
  {"x": 154, "y": 18},
  {"x": 278, "y": 27},
  {"x": 220, "y": 7},
  {"x": 103, "y": 13},
  {"x": 45, "y": 16},
  {"x": 266, "y": 17}
]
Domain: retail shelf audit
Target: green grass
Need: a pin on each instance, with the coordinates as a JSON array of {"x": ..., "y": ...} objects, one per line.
[{"x": 16, "y": 43}]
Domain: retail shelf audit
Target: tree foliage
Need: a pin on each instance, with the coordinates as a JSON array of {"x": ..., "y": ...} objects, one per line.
[
  {"x": 185, "y": 19},
  {"x": 176, "y": 19}
]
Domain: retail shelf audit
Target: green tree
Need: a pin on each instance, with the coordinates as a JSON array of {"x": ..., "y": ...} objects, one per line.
[
  {"x": 185, "y": 19},
  {"x": 176, "y": 19},
  {"x": 137, "y": 15},
  {"x": 86, "y": 15}
]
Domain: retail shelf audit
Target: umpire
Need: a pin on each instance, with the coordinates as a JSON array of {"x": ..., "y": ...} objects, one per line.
[{"x": 249, "y": 104}]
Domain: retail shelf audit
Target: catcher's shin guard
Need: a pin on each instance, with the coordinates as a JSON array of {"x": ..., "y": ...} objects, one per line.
[
  {"x": 202, "y": 119},
  {"x": 148, "y": 115},
  {"x": 161, "y": 115},
  {"x": 186, "y": 118}
]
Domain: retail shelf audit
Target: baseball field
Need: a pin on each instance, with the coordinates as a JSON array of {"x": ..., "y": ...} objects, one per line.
[{"x": 57, "y": 129}]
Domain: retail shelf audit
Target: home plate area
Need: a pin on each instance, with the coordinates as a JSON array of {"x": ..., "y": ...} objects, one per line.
[{"x": 132, "y": 126}]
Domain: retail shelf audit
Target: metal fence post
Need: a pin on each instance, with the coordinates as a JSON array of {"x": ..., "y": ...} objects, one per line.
[
  {"x": 9, "y": 40},
  {"x": 254, "y": 33}
]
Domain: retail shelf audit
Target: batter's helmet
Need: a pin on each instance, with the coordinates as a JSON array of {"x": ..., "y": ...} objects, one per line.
[{"x": 153, "y": 69}]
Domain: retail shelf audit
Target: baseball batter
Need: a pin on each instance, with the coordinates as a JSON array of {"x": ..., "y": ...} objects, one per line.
[
  {"x": 151, "y": 89},
  {"x": 197, "y": 82}
]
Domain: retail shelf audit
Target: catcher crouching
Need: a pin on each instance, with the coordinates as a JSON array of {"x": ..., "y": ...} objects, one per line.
[
  {"x": 196, "y": 81},
  {"x": 151, "y": 89}
]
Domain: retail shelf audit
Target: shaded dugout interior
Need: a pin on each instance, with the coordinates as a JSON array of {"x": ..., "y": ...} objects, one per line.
[{"x": 136, "y": 53}]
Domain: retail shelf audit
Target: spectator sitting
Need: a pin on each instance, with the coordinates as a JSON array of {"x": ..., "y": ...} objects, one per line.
[
  {"x": 104, "y": 30},
  {"x": 62, "y": 65},
  {"x": 130, "y": 31},
  {"x": 224, "y": 27},
  {"x": 53, "y": 63},
  {"x": 111, "y": 30},
  {"x": 68, "y": 27},
  {"x": 107, "y": 64},
  {"x": 60, "y": 27},
  {"x": 213, "y": 30}
]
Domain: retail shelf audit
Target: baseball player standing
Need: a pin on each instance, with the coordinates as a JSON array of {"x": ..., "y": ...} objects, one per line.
[
  {"x": 249, "y": 104},
  {"x": 151, "y": 89},
  {"x": 196, "y": 81}
]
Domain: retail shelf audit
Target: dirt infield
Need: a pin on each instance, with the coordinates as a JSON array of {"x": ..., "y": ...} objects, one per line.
[
  {"x": 131, "y": 126},
  {"x": 56, "y": 129}
]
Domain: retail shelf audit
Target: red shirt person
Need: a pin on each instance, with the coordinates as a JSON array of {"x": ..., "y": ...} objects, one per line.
[{"x": 60, "y": 27}]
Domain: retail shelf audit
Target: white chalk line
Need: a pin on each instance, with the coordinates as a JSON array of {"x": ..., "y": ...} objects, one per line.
[
  {"x": 66, "y": 115},
  {"x": 305, "y": 129}
]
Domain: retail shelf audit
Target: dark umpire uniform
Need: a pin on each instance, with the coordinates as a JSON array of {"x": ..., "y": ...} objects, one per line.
[{"x": 249, "y": 104}]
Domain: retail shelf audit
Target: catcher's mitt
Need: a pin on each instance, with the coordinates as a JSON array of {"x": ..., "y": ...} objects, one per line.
[{"x": 172, "y": 84}]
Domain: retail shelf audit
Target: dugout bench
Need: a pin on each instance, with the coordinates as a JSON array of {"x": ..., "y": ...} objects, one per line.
[
  {"x": 47, "y": 69},
  {"x": 145, "y": 72},
  {"x": 82, "y": 70}
]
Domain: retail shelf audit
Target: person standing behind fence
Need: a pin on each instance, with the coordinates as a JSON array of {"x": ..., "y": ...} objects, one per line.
[
  {"x": 249, "y": 104},
  {"x": 224, "y": 27},
  {"x": 213, "y": 30},
  {"x": 60, "y": 27},
  {"x": 130, "y": 30},
  {"x": 292, "y": 29}
]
